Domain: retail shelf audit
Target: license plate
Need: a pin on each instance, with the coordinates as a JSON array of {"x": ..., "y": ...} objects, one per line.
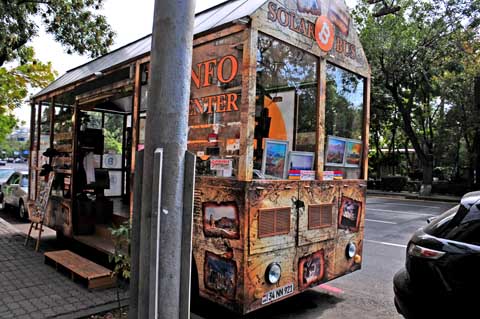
[{"x": 277, "y": 293}]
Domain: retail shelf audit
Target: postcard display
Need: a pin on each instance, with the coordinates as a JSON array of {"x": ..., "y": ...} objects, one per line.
[{"x": 243, "y": 224}]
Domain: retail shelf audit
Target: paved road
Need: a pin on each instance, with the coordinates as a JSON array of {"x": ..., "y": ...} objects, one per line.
[{"x": 365, "y": 294}]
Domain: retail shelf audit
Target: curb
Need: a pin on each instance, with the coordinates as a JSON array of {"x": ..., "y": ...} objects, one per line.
[{"x": 450, "y": 199}]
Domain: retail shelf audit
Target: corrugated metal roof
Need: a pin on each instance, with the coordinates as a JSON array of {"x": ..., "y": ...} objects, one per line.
[{"x": 219, "y": 15}]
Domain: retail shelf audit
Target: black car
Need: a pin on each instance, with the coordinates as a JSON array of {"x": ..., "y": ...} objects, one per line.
[{"x": 442, "y": 273}]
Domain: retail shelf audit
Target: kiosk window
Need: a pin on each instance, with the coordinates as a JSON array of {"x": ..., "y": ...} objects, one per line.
[
  {"x": 344, "y": 122},
  {"x": 344, "y": 106},
  {"x": 286, "y": 107}
]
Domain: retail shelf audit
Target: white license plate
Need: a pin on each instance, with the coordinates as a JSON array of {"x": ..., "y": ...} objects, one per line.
[{"x": 277, "y": 293}]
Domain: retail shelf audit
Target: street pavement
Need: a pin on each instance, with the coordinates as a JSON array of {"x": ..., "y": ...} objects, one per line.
[
  {"x": 365, "y": 294},
  {"x": 31, "y": 289}
]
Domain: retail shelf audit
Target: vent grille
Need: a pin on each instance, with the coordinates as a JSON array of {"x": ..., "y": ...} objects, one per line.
[
  {"x": 272, "y": 222},
  {"x": 320, "y": 216}
]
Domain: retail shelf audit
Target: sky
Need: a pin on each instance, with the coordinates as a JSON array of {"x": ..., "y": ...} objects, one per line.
[{"x": 131, "y": 20}]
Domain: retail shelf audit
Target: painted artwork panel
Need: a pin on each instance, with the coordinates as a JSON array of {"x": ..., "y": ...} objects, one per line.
[
  {"x": 353, "y": 153},
  {"x": 301, "y": 161},
  {"x": 349, "y": 214},
  {"x": 335, "y": 151},
  {"x": 275, "y": 156},
  {"x": 313, "y": 7},
  {"x": 311, "y": 269},
  {"x": 221, "y": 220},
  {"x": 220, "y": 275}
]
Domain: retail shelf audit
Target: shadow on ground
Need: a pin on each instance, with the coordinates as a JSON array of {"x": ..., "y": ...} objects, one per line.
[{"x": 304, "y": 305}]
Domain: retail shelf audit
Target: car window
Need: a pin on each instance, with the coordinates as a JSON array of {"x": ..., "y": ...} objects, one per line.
[
  {"x": 14, "y": 179},
  {"x": 465, "y": 225},
  {"x": 24, "y": 181},
  {"x": 4, "y": 173}
]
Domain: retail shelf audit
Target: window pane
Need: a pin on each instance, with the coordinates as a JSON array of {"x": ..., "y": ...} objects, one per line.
[
  {"x": 344, "y": 105},
  {"x": 286, "y": 97},
  {"x": 45, "y": 121},
  {"x": 344, "y": 121},
  {"x": 113, "y": 134}
]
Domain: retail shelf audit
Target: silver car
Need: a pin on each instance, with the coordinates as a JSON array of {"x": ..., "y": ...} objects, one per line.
[{"x": 14, "y": 193}]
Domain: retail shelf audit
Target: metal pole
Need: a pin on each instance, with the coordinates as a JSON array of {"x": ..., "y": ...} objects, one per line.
[
  {"x": 136, "y": 231},
  {"x": 166, "y": 128}
]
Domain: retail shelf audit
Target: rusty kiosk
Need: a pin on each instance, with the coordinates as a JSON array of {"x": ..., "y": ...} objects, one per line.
[{"x": 278, "y": 119}]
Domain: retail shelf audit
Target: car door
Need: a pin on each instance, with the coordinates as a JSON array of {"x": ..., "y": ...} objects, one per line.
[
  {"x": 460, "y": 269},
  {"x": 9, "y": 188}
]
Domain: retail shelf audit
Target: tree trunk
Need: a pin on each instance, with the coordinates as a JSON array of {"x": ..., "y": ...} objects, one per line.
[{"x": 426, "y": 189}]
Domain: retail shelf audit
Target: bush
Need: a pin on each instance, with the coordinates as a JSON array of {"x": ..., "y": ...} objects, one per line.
[{"x": 394, "y": 183}]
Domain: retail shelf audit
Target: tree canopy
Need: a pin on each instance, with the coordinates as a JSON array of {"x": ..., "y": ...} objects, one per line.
[
  {"x": 413, "y": 53},
  {"x": 76, "y": 24}
]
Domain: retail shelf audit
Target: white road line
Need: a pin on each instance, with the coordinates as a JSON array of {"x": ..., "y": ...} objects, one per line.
[
  {"x": 379, "y": 221},
  {"x": 398, "y": 212},
  {"x": 384, "y": 243},
  {"x": 410, "y": 205}
]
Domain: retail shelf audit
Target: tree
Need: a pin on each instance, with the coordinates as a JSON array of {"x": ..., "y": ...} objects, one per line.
[
  {"x": 409, "y": 53},
  {"x": 73, "y": 23}
]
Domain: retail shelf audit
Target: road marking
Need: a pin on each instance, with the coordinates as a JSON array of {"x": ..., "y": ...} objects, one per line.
[
  {"x": 385, "y": 243},
  {"x": 379, "y": 221},
  {"x": 398, "y": 212},
  {"x": 410, "y": 205},
  {"x": 331, "y": 289},
  {"x": 408, "y": 199}
]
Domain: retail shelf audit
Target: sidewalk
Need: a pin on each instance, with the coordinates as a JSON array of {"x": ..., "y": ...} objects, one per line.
[
  {"x": 31, "y": 289},
  {"x": 407, "y": 195}
]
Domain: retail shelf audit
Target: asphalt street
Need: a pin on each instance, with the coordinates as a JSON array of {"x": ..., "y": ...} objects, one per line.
[{"x": 367, "y": 293}]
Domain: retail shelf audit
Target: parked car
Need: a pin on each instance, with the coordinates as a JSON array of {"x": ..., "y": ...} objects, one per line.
[
  {"x": 14, "y": 191},
  {"x": 9, "y": 160},
  {"x": 442, "y": 269},
  {"x": 18, "y": 160},
  {"x": 3, "y": 162}
]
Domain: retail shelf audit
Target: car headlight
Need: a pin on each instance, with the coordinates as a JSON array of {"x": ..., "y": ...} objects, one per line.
[
  {"x": 273, "y": 273},
  {"x": 351, "y": 250}
]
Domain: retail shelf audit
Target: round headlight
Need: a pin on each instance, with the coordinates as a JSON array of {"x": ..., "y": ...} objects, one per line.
[
  {"x": 273, "y": 273},
  {"x": 351, "y": 250}
]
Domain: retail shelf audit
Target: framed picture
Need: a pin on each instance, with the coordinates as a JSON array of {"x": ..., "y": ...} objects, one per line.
[
  {"x": 349, "y": 214},
  {"x": 274, "y": 158},
  {"x": 353, "y": 153},
  {"x": 335, "y": 155},
  {"x": 303, "y": 161}
]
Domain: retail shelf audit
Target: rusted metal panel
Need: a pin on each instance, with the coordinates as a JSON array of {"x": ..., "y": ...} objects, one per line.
[
  {"x": 295, "y": 22},
  {"x": 247, "y": 130},
  {"x": 218, "y": 239}
]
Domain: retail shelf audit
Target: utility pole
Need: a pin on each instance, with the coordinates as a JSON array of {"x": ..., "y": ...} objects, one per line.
[{"x": 160, "y": 253}]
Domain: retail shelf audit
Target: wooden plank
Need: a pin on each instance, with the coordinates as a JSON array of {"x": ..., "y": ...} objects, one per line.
[
  {"x": 322, "y": 106},
  {"x": 78, "y": 265},
  {"x": 249, "y": 84},
  {"x": 219, "y": 34},
  {"x": 366, "y": 128}
]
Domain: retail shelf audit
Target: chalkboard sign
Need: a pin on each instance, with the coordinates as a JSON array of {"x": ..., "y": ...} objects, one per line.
[{"x": 39, "y": 207}]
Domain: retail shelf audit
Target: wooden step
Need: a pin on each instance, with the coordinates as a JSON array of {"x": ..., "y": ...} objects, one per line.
[{"x": 95, "y": 275}]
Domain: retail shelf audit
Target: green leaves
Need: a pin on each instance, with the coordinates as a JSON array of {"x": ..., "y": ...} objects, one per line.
[
  {"x": 121, "y": 258},
  {"x": 415, "y": 54},
  {"x": 76, "y": 24},
  {"x": 15, "y": 81}
]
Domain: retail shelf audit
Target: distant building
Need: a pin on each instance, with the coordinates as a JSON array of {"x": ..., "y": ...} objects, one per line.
[{"x": 21, "y": 134}]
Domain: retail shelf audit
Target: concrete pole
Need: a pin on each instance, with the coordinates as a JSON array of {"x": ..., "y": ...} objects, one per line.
[{"x": 166, "y": 128}]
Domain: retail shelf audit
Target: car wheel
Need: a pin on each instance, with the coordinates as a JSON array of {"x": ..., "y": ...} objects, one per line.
[{"x": 22, "y": 211}]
